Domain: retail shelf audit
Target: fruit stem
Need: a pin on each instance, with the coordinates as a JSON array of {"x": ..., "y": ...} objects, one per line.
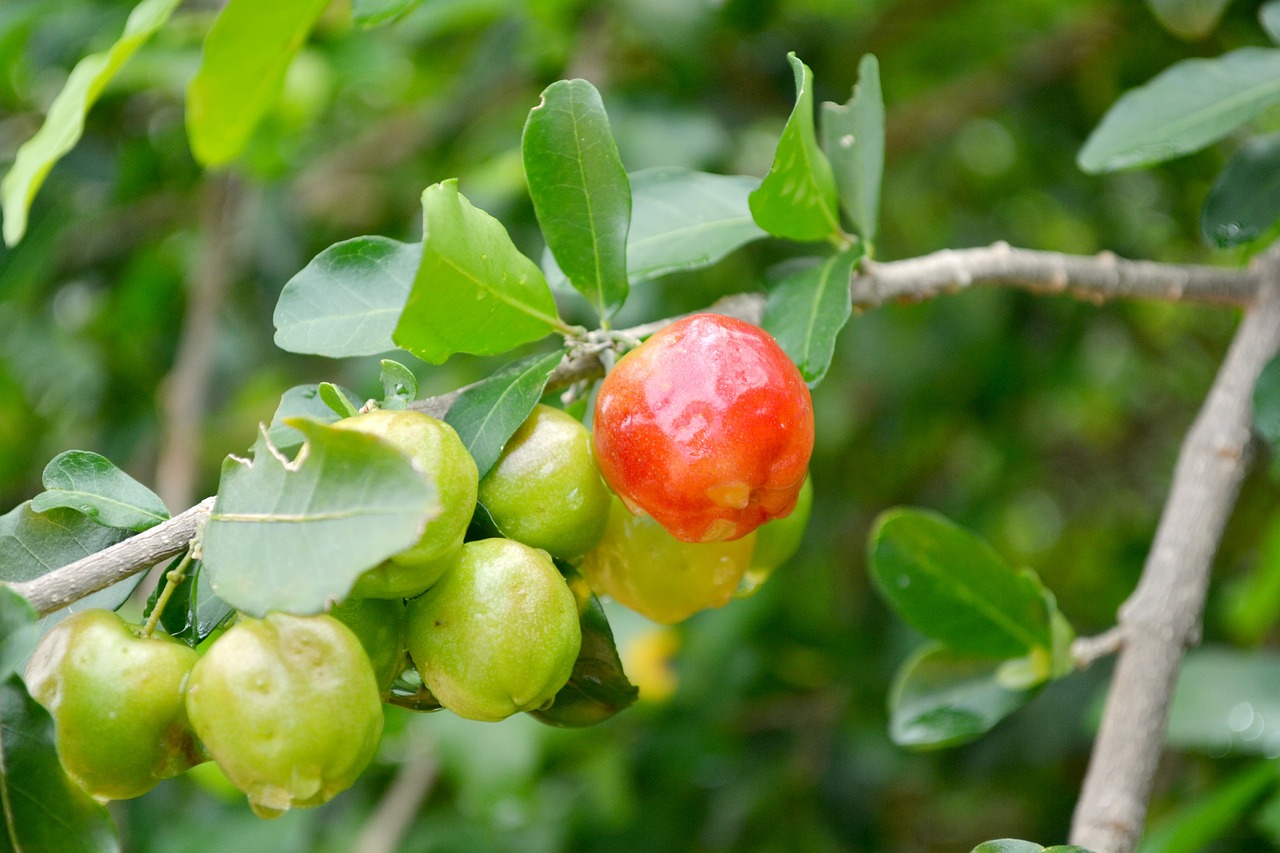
[{"x": 172, "y": 579}]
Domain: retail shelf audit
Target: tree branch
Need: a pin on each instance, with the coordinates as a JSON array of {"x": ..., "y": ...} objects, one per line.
[{"x": 1162, "y": 617}]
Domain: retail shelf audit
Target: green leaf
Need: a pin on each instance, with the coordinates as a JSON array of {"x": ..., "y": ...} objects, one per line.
[
  {"x": 246, "y": 54},
  {"x": 806, "y": 310},
  {"x": 65, "y": 122},
  {"x": 295, "y": 535},
  {"x": 300, "y": 401},
  {"x": 1269, "y": 17},
  {"x": 474, "y": 292},
  {"x": 488, "y": 413},
  {"x": 942, "y": 697},
  {"x": 1008, "y": 845},
  {"x": 17, "y": 627},
  {"x": 1244, "y": 202},
  {"x": 337, "y": 400},
  {"x": 797, "y": 199},
  {"x": 1188, "y": 19},
  {"x": 1250, "y": 603},
  {"x": 950, "y": 585},
  {"x": 93, "y": 485},
  {"x": 193, "y": 611},
  {"x": 1227, "y": 701},
  {"x": 372, "y": 13},
  {"x": 1186, "y": 107},
  {"x": 580, "y": 191},
  {"x": 681, "y": 220},
  {"x": 399, "y": 385},
  {"x": 347, "y": 300},
  {"x": 1266, "y": 403},
  {"x": 1194, "y": 827},
  {"x": 43, "y": 809},
  {"x": 598, "y": 688},
  {"x": 853, "y": 139}
]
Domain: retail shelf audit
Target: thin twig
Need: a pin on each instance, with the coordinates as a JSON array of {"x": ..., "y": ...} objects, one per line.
[{"x": 1086, "y": 651}]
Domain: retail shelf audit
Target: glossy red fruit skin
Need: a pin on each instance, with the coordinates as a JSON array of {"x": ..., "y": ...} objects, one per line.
[{"x": 707, "y": 426}]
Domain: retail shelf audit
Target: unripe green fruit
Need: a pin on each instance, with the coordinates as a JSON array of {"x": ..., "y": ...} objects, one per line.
[
  {"x": 545, "y": 490},
  {"x": 498, "y": 634},
  {"x": 379, "y": 625},
  {"x": 289, "y": 708},
  {"x": 117, "y": 703},
  {"x": 440, "y": 456},
  {"x": 777, "y": 541}
]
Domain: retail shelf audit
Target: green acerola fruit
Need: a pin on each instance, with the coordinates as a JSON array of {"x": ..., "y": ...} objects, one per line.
[
  {"x": 116, "y": 699},
  {"x": 288, "y": 706},
  {"x": 498, "y": 634},
  {"x": 440, "y": 456},
  {"x": 777, "y": 541},
  {"x": 545, "y": 490},
  {"x": 379, "y": 625}
]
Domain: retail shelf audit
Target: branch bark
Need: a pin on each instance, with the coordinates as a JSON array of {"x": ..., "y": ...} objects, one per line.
[{"x": 1162, "y": 617}]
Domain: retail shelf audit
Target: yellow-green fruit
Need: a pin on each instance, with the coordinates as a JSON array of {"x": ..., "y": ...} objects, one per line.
[
  {"x": 644, "y": 567},
  {"x": 545, "y": 490},
  {"x": 116, "y": 699},
  {"x": 498, "y": 634},
  {"x": 440, "y": 456},
  {"x": 777, "y": 541},
  {"x": 289, "y": 708},
  {"x": 379, "y": 625}
]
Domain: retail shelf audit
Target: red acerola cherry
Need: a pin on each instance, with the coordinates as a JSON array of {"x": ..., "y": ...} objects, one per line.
[{"x": 707, "y": 426}]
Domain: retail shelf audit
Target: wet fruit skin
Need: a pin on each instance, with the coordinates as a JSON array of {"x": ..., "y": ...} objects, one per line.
[
  {"x": 288, "y": 706},
  {"x": 642, "y": 566},
  {"x": 117, "y": 703},
  {"x": 439, "y": 455},
  {"x": 707, "y": 426},
  {"x": 498, "y": 634},
  {"x": 545, "y": 489}
]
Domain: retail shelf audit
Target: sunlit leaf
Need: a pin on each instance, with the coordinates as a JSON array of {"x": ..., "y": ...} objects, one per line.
[
  {"x": 246, "y": 54},
  {"x": 1188, "y": 19},
  {"x": 43, "y": 809},
  {"x": 942, "y": 697},
  {"x": 65, "y": 122},
  {"x": 337, "y": 400},
  {"x": 580, "y": 191},
  {"x": 853, "y": 139},
  {"x": 399, "y": 385},
  {"x": 300, "y": 401},
  {"x": 347, "y": 300},
  {"x": 950, "y": 585},
  {"x": 1183, "y": 109},
  {"x": 797, "y": 199},
  {"x": 93, "y": 485},
  {"x": 806, "y": 310},
  {"x": 489, "y": 413},
  {"x": 1244, "y": 202},
  {"x": 474, "y": 292},
  {"x": 295, "y": 535}
]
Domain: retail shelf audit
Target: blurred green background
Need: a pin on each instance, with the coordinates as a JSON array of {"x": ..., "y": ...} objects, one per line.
[{"x": 135, "y": 320}]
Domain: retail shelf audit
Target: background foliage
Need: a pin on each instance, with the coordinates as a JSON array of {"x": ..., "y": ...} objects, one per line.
[{"x": 1046, "y": 425}]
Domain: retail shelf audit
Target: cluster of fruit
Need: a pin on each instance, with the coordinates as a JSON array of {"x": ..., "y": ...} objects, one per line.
[{"x": 703, "y": 433}]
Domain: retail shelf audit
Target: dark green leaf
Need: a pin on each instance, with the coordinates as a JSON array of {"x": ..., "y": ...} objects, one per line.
[
  {"x": 952, "y": 586},
  {"x": 35, "y": 543},
  {"x": 399, "y": 385},
  {"x": 294, "y": 536},
  {"x": 92, "y": 485},
  {"x": 797, "y": 199},
  {"x": 488, "y": 413},
  {"x": 17, "y": 627},
  {"x": 580, "y": 191},
  {"x": 1266, "y": 403},
  {"x": 807, "y": 309},
  {"x": 347, "y": 300},
  {"x": 372, "y": 13},
  {"x": 598, "y": 687},
  {"x": 193, "y": 611},
  {"x": 1269, "y": 17},
  {"x": 246, "y": 54},
  {"x": 942, "y": 697},
  {"x": 1244, "y": 202},
  {"x": 1195, "y": 826},
  {"x": 43, "y": 809},
  {"x": 1227, "y": 701},
  {"x": 1183, "y": 109},
  {"x": 300, "y": 401},
  {"x": 1188, "y": 19},
  {"x": 337, "y": 400},
  {"x": 474, "y": 292},
  {"x": 65, "y": 122},
  {"x": 1250, "y": 603},
  {"x": 853, "y": 139}
]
